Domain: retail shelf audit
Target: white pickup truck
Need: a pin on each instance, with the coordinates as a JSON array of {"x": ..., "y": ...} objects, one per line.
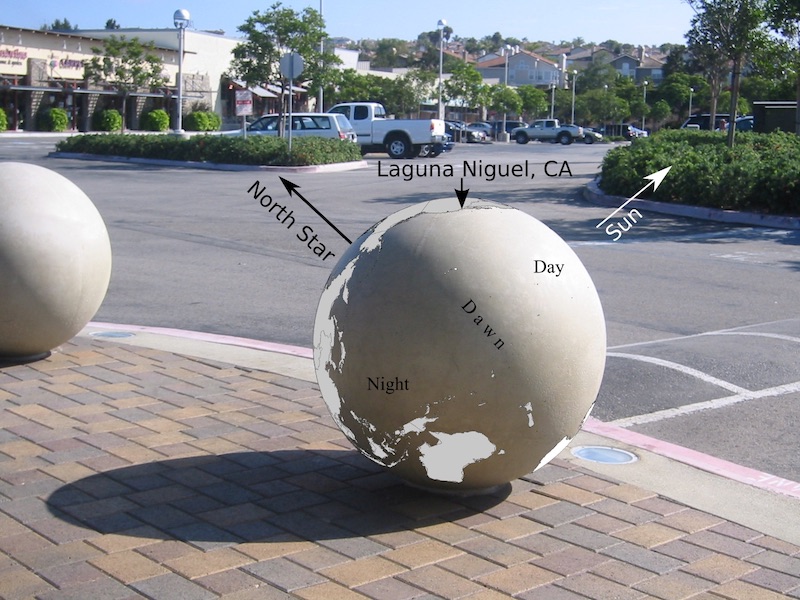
[
  {"x": 400, "y": 138},
  {"x": 548, "y": 130}
]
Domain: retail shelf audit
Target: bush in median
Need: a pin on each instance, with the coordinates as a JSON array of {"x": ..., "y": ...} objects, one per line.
[
  {"x": 760, "y": 173},
  {"x": 255, "y": 150},
  {"x": 155, "y": 120}
]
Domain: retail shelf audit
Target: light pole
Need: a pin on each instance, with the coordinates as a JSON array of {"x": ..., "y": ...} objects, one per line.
[
  {"x": 691, "y": 93},
  {"x": 552, "y": 98},
  {"x": 644, "y": 107},
  {"x": 440, "y": 26},
  {"x": 181, "y": 20},
  {"x": 504, "y": 133},
  {"x": 605, "y": 106},
  {"x": 574, "y": 85},
  {"x": 321, "y": 52}
]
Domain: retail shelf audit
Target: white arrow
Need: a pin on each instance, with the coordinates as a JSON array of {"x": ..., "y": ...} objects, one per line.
[{"x": 655, "y": 179}]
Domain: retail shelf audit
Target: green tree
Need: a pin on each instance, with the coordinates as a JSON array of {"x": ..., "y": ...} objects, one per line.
[
  {"x": 112, "y": 24},
  {"x": 59, "y": 25},
  {"x": 127, "y": 64},
  {"x": 389, "y": 53},
  {"x": 534, "y": 101},
  {"x": 465, "y": 84},
  {"x": 412, "y": 88},
  {"x": 784, "y": 17},
  {"x": 274, "y": 32},
  {"x": 660, "y": 112},
  {"x": 505, "y": 99},
  {"x": 734, "y": 29}
]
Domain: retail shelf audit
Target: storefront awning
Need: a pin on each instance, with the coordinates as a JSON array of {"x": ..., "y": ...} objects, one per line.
[{"x": 256, "y": 89}]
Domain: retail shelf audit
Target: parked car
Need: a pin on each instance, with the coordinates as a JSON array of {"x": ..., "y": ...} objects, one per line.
[
  {"x": 303, "y": 124},
  {"x": 461, "y": 132},
  {"x": 702, "y": 121},
  {"x": 744, "y": 123},
  {"x": 483, "y": 126},
  {"x": 547, "y": 130},
  {"x": 497, "y": 126},
  {"x": 625, "y": 130},
  {"x": 635, "y": 132},
  {"x": 590, "y": 136}
]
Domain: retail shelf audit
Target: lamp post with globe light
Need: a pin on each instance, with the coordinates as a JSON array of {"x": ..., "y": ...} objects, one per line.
[
  {"x": 181, "y": 20},
  {"x": 440, "y": 26}
]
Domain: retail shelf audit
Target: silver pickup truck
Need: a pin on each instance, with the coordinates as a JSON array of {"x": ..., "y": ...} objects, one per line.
[{"x": 547, "y": 130}]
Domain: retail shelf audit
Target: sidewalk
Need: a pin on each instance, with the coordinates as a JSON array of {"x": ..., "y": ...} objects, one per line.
[{"x": 191, "y": 470}]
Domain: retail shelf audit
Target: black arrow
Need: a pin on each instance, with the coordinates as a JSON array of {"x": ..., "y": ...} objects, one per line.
[
  {"x": 462, "y": 194},
  {"x": 292, "y": 189}
]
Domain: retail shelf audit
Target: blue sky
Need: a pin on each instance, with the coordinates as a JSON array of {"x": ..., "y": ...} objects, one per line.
[{"x": 648, "y": 22}]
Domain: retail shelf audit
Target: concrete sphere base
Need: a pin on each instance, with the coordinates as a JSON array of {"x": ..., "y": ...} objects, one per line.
[
  {"x": 459, "y": 347},
  {"x": 55, "y": 260}
]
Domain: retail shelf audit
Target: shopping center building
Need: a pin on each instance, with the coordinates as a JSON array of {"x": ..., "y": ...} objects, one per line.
[{"x": 44, "y": 69}]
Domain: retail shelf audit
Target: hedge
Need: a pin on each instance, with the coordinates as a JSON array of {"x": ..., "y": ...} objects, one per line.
[
  {"x": 3, "y": 120},
  {"x": 222, "y": 149},
  {"x": 761, "y": 173}
]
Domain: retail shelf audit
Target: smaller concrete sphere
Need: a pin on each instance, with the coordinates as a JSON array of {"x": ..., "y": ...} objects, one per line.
[
  {"x": 55, "y": 260},
  {"x": 461, "y": 348}
]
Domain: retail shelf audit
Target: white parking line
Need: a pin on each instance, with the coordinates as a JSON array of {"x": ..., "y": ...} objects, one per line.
[
  {"x": 670, "y": 413},
  {"x": 683, "y": 369}
]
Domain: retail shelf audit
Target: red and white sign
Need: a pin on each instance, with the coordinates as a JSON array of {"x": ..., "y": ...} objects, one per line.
[{"x": 244, "y": 103}]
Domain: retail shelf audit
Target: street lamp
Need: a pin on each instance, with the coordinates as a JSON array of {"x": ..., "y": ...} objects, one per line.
[
  {"x": 644, "y": 107},
  {"x": 552, "y": 98},
  {"x": 605, "y": 106},
  {"x": 504, "y": 133},
  {"x": 440, "y": 26},
  {"x": 181, "y": 20},
  {"x": 321, "y": 52},
  {"x": 574, "y": 85},
  {"x": 691, "y": 92}
]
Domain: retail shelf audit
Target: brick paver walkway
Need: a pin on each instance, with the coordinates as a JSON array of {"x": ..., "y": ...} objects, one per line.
[{"x": 130, "y": 473}]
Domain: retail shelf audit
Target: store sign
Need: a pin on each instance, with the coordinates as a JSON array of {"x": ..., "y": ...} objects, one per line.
[
  {"x": 244, "y": 103},
  {"x": 12, "y": 58}
]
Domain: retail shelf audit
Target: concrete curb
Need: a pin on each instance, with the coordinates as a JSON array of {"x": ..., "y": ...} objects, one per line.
[
  {"x": 331, "y": 168},
  {"x": 593, "y": 194}
]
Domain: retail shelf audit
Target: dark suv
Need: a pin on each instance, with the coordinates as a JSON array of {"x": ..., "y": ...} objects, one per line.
[{"x": 702, "y": 121}]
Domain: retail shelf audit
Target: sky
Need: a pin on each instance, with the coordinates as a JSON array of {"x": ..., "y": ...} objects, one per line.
[{"x": 639, "y": 22}]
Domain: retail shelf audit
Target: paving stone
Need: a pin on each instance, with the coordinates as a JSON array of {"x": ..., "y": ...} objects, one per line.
[
  {"x": 773, "y": 580},
  {"x": 229, "y": 582},
  {"x": 570, "y": 493},
  {"x": 623, "y": 511},
  {"x": 690, "y": 520},
  {"x": 510, "y": 529},
  {"x": 469, "y": 566},
  {"x": 582, "y": 536},
  {"x": 720, "y": 568},
  {"x": 440, "y": 582},
  {"x": 597, "y": 588},
  {"x": 329, "y": 591},
  {"x": 736, "y": 531},
  {"x": 518, "y": 578},
  {"x": 172, "y": 587},
  {"x": 497, "y": 551},
  {"x": 622, "y": 573},
  {"x": 362, "y": 571},
  {"x": 550, "y": 592},
  {"x": 641, "y": 557},
  {"x": 674, "y": 586},
  {"x": 284, "y": 574},
  {"x": 724, "y": 544},
  {"x": 196, "y": 565},
  {"x": 649, "y": 535},
  {"x": 129, "y": 566},
  {"x": 777, "y": 562},
  {"x": 683, "y": 551},
  {"x": 424, "y": 553},
  {"x": 741, "y": 590},
  {"x": 540, "y": 544},
  {"x": 571, "y": 561},
  {"x": 390, "y": 589},
  {"x": 318, "y": 558},
  {"x": 558, "y": 513}
]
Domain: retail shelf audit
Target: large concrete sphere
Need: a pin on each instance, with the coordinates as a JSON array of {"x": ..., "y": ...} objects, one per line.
[
  {"x": 55, "y": 259},
  {"x": 460, "y": 347}
]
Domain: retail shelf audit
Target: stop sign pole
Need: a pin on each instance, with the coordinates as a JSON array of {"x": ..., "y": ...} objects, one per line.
[{"x": 291, "y": 66}]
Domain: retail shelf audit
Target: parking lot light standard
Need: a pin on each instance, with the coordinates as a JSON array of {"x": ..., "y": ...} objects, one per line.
[
  {"x": 644, "y": 108},
  {"x": 181, "y": 19},
  {"x": 440, "y": 26}
]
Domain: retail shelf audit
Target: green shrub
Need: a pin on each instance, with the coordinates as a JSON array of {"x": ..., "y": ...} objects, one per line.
[
  {"x": 53, "y": 119},
  {"x": 222, "y": 149},
  {"x": 155, "y": 120},
  {"x": 760, "y": 173},
  {"x": 107, "y": 120},
  {"x": 3, "y": 120},
  {"x": 202, "y": 120}
]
